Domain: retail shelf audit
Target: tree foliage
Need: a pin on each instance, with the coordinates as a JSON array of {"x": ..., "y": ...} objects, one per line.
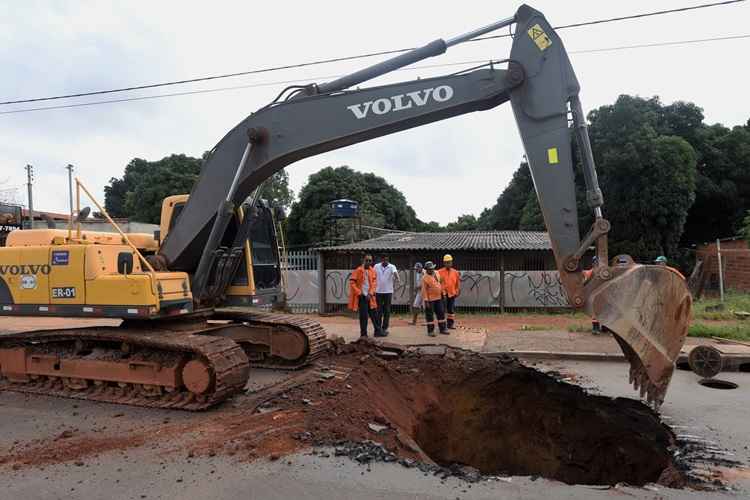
[
  {"x": 647, "y": 173},
  {"x": 466, "y": 222},
  {"x": 506, "y": 213},
  {"x": 668, "y": 178},
  {"x": 380, "y": 203},
  {"x": 138, "y": 194}
]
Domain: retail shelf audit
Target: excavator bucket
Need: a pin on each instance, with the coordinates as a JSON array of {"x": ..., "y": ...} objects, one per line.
[{"x": 647, "y": 308}]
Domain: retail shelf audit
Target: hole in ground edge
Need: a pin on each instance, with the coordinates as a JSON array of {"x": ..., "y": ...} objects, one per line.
[
  {"x": 715, "y": 383},
  {"x": 525, "y": 423}
]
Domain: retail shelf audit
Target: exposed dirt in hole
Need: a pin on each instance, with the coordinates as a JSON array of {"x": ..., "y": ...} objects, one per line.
[
  {"x": 446, "y": 408},
  {"x": 523, "y": 423}
]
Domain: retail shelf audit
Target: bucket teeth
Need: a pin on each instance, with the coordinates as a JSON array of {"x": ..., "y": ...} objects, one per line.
[{"x": 641, "y": 382}]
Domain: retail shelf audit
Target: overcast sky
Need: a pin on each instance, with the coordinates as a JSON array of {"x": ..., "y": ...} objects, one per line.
[{"x": 50, "y": 48}]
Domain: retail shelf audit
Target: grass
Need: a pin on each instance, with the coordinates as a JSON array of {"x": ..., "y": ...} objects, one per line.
[
  {"x": 738, "y": 331},
  {"x": 733, "y": 301},
  {"x": 579, "y": 328},
  {"x": 535, "y": 328}
]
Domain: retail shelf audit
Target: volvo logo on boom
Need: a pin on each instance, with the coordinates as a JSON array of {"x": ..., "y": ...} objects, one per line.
[{"x": 400, "y": 102}]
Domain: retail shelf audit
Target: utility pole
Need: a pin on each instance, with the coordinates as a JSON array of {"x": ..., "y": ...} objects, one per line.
[
  {"x": 69, "y": 168},
  {"x": 721, "y": 270},
  {"x": 29, "y": 181}
]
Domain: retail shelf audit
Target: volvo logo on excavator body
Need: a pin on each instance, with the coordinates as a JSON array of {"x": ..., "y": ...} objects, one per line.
[{"x": 400, "y": 102}]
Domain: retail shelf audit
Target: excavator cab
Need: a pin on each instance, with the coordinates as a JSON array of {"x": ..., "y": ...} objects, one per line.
[{"x": 251, "y": 237}]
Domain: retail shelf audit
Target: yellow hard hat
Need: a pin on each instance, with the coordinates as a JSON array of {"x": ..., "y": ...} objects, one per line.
[{"x": 447, "y": 257}]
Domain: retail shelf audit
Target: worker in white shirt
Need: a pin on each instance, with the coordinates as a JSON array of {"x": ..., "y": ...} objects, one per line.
[{"x": 387, "y": 278}]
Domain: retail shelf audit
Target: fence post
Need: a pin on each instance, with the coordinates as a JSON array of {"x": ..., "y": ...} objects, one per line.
[
  {"x": 721, "y": 271},
  {"x": 502, "y": 283},
  {"x": 322, "y": 284}
]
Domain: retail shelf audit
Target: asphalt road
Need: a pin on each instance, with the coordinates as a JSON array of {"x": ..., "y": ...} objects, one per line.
[{"x": 156, "y": 469}]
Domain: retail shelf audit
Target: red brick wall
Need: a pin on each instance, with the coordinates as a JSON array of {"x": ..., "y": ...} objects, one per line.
[{"x": 735, "y": 257}]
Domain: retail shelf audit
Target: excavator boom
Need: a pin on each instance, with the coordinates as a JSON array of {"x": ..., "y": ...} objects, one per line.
[{"x": 648, "y": 307}]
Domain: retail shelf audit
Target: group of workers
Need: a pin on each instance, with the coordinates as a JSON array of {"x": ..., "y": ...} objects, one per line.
[{"x": 371, "y": 290}]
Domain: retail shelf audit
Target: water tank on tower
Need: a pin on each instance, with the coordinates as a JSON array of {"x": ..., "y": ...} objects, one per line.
[
  {"x": 343, "y": 224},
  {"x": 344, "y": 209}
]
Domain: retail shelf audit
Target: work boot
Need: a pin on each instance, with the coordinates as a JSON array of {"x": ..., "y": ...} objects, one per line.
[
  {"x": 596, "y": 327},
  {"x": 414, "y": 318},
  {"x": 431, "y": 330},
  {"x": 451, "y": 326},
  {"x": 381, "y": 333},
  {"x": 443, "y": 329}
]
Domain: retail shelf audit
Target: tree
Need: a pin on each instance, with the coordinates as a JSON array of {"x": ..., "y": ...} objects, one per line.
[
  {"x": 174, "y": 174},
  {"x": 745, "y": 231},
  {"x": 463, "y": 223},
  {"x": 506, "y": 213},
  {"x": 380, "y": 204},
  {"x": 276, "y": 190},
  {"x": 531, "y": 215},
  {"x": 428, "y": 227},
  {"x": 139, "y": 193},
  {"x": 648, "y": 176}
]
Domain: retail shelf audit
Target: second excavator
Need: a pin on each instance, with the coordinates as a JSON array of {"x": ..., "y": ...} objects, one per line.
[{"x": 189, "y": 296}]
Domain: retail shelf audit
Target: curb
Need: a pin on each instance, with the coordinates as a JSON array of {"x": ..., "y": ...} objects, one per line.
[{"x": 573, "y": 356}]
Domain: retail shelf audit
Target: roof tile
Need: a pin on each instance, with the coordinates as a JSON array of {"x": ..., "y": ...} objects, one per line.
[{"x": 459, "y": 240}]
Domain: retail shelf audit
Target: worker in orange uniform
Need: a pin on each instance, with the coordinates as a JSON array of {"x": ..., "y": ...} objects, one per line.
[
  {"x": 362, "y": 287},
  {"x": 662, "y": 261},
  {"x": 596, "y": 327},
  {"x": 432, "y": 294},
  {"x": 451, "y": 281}
]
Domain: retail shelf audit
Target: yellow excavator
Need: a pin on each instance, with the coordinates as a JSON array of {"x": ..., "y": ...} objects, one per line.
[{"x": 192, "y": 295}]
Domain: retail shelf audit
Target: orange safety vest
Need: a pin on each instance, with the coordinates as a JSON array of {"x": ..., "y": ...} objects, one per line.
[
  {"x": 356, "y": 281},
  {"x": 431, "y": 289},
  {"x": 451, "y": 280}
]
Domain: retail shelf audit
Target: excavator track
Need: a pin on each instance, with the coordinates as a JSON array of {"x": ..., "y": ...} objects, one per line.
[
  {"x": 308, "y": 331},
  {"x": 217, "y": 367}
]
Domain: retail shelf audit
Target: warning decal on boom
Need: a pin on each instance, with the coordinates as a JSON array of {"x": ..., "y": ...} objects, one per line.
[{"x": 540, "y": 37}]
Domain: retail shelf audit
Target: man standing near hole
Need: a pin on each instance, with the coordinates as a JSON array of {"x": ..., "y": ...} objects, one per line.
[
  {"x": 362, "y": 286},
  {"x": 432, "y": 293},
  {"x": 418, "y": 301},
  {"x": 451, "y": 281},
  {"x": 387, "y": 275}
]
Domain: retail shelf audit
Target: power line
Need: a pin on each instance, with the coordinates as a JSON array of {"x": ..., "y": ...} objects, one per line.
[
  {"x": 625, "y": 18},
  {"x": 323, "y": 77},
  {"x": 350, "y": 58},
  {"x": 659, "y": 44}
]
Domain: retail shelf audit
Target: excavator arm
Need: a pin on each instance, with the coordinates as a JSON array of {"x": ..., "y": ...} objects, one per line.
[{"x": 646, "y": 306}]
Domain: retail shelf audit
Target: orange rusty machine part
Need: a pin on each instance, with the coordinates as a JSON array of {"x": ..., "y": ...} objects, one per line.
[{"x": 189, "y": 365}]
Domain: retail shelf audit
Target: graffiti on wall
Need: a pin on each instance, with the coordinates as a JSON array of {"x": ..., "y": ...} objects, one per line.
[
  {"x": 534, "y": 289},
  {"x": 302, "y": 287},
  {"x": 478, "y": 288}
]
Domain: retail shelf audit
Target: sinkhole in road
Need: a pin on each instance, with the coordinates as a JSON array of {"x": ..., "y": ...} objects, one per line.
[{"x": 524, "y": 422}]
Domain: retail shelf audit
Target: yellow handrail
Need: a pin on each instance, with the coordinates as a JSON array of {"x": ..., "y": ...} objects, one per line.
[{"x": 114, "y": 224}]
